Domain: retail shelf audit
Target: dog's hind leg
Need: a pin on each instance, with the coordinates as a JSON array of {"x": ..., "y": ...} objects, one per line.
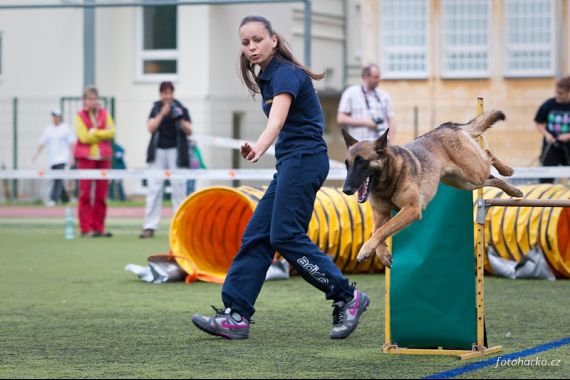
[
  {"x": 501, "y": 167},
  {"x": 499, "y": 183}
]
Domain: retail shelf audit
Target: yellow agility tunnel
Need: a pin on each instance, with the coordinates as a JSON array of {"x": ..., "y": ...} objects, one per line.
[
  {"x": 513, "y": 231},
  {"x": 207, "y": 228}
]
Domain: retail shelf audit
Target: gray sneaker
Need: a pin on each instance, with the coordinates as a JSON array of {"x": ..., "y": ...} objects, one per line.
[
  {"x": 225, "y": 323},
  {"x": 346, "y": 315}
]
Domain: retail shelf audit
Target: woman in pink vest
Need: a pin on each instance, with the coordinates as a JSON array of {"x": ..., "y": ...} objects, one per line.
[{"x": 95, "y": 130}]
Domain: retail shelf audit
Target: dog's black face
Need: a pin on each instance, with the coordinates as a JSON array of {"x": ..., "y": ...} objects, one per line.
[
  {"x": 363, "y": 161},
  {"x": 357, "y": 178}
]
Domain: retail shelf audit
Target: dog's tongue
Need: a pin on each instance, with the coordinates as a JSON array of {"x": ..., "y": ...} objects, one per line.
[{"x": 363, "y": 192}]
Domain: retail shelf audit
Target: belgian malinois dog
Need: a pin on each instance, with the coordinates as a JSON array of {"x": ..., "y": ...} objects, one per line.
[{"x": 405, "y": 178}]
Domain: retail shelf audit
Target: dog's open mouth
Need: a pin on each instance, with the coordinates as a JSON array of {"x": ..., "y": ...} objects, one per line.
[{"x": 363, "y": 191}]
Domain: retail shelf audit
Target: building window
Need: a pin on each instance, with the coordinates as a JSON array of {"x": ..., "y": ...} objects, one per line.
[
  {"x": 466, "y": 31},
  {"x": 158, "y": 47},
  {"x": 529, "y": 36},
  {"x": 404, "y": 39}
]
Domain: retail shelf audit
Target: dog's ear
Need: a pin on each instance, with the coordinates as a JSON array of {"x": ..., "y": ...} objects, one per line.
[
  {"x": 348, "y": 139},
  {"x": 381, "y": 142}
]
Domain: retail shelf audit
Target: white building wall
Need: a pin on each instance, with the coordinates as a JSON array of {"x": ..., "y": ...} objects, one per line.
[
  {"x": 43, "y": 61},
  {"x": 42, "y": 52},
  {"x": 354, "y": 33}
]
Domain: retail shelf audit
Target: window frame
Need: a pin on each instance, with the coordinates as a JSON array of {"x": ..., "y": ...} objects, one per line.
[
  {"x": 526, "y": 47},
  {"x": 385, "y": 50},
  {"x": 446, "y": 73},
  {"x": 143, "y": 55}
]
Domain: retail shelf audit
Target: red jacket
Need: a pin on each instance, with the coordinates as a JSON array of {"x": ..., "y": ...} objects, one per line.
[{"x": 94, "y": 145}]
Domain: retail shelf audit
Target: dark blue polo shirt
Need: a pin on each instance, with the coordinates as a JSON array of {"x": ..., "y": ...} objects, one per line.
[{"x": 302, "y": 132}]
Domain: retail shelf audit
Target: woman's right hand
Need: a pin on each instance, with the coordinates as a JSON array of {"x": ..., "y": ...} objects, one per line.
[
  {"x": 245, "y": 150},
  {"x": 249, "y": 153},
  {"x": 165, "y": 110}
]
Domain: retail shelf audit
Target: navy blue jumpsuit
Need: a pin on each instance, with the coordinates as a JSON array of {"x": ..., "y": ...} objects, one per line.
[{"x": 282, "y": 216}]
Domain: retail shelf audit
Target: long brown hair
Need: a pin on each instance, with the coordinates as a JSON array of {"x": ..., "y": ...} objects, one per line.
[{"x": 282, "y": 52}]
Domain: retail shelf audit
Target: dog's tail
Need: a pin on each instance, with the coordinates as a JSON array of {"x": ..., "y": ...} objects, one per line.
[{"x": 481, "y": 123}]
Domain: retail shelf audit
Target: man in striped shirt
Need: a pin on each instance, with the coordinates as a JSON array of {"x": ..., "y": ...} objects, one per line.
[{"x": 365, "y": 109}]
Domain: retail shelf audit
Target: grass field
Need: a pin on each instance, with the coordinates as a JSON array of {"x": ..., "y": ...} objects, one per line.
[{"x": 67, "y": 309}]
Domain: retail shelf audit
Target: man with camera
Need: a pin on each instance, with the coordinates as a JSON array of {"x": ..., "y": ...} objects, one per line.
[
  {"x": 169, "y": 124},
  {"x": 365, "y": 109}
]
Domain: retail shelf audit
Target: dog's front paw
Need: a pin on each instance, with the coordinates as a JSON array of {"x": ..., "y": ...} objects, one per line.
[
  {"x": 518, "y": 194},
  {"x": 365, "y": 252},
  {"x": 513, "y": 191},
  {"x": 384, "y": 256}
]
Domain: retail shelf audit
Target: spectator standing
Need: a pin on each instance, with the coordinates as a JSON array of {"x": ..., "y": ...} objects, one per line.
[
  {"x": 58, "y": 138},
  {"x": 95, "y": 131},
  {"x": 366, "y": 109},
  {"x": 553, "y": 122},
  {"x": 170, "y": 125}
]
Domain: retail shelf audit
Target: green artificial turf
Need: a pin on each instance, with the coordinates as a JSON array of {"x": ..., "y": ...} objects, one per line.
[{"x": 68, "y": 309}]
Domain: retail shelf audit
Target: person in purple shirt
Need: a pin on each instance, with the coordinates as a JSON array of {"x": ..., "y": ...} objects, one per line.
[{"x": 282, "y": 216}]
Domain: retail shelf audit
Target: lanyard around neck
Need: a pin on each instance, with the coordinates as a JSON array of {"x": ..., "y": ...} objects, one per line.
[{"x": 366, "y": 98}]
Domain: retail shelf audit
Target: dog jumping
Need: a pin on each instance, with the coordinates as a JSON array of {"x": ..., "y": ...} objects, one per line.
[{"x": 405, "y": 178}]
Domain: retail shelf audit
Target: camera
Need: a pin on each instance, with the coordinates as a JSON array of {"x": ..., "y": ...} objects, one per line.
[
  {"x": 176, "y": 112},
  {"x": 378, "y": 121}
]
